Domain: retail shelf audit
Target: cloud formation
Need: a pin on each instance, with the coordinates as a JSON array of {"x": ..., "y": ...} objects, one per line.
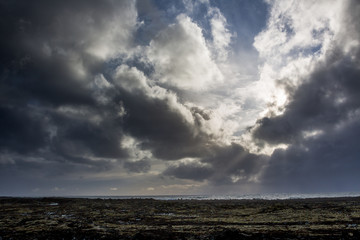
[
  {"x": 181, "y": 57},
  {"x": 135, "y": 95},
  {"x": 319, "y": 121}
]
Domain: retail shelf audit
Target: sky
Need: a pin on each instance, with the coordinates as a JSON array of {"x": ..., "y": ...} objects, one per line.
[{"x": 155, "y": 97}]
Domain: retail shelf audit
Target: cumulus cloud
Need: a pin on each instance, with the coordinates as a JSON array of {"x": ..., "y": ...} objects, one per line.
[
  {"x": 156, "y": 118},
  {"x": 182, "y": 58},
  {"x": 318, "y": 121},
  {"x": 324, "y": 96},
  {"x": 141, "y": 90},
  {"x": 297, "y": 36},
  {"x": 52, "y": 81},
  {"x": 77, "y": 97},
  {"x": 220, "y": 34}
]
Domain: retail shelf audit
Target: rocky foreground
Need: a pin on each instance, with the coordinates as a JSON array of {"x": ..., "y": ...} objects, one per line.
[{"x": 67, "y": 218}]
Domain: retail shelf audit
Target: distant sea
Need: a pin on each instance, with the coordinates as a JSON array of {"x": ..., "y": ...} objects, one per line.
[{"x": 269, "y": 196}]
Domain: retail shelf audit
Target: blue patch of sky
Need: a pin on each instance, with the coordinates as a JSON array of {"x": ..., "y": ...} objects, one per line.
[
  {"x": 246, "y": 18},
  {"x": 171, "y": 8},
  {"x": 315, "y": 49},
  {"x": 304, "y": 52},
  {"x": 287, "y": 27},
  {"x": 153, "y": 18},
  {"x": 111, "y": 65}
]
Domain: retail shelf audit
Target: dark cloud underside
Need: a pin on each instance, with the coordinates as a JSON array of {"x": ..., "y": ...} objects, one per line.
[{"x": 320, "y": 124}]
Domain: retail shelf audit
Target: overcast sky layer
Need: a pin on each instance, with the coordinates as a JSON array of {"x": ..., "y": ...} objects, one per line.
[{"x": 179, "y": 97}]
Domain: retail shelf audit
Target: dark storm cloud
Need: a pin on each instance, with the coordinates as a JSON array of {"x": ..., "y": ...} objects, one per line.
[
  {"x": 156, "y": 118},
  {"x": 59, "y": 100},
  {"x": 329, "y": 162},
  {"x": 20, "y": 130},
  {"x": 49, "y": 59},
  {"x": 328, "y": 95},
  {"x": 328, "y": 105},
  {"x": 79, "y": 136},
  {"x": 42, "y": 45},
  {"x": 192, "y": 171},
  {"x": 221, "y": 165},
  {"x": 234, "y": 164},
  {"x": 320, "y": 124},
  {"x": 82, "y": 92},
  {"x": 141, "y": 166},
  {"x": 161, "y": 129}
]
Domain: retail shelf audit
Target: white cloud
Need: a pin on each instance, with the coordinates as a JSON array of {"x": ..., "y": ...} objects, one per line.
[
  {"x": 298, "y": 35},
  {"x": 181, "y": 57},
  {"x": 181, "y": 186},
  {"x": 130, "y": 78},
  {"x": 134, "y": 149},
  {"x": 116, "y": 35},
  {"x": 220, "y": 34},
  {"x": 294, "y": 27}
]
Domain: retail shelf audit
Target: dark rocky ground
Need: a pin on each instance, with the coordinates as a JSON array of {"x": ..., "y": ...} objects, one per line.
[{"x": 85, "y": 219}]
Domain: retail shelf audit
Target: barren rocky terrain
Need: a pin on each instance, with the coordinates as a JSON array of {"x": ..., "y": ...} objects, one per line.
[{"x": 77, "y": 218}]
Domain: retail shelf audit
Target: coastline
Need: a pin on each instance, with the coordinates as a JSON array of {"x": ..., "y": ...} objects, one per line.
[{"x": 268, "y": 196}]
